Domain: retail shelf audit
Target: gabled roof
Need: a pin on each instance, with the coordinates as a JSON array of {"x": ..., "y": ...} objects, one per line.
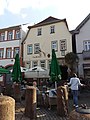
[
  {"x": 12, "y": 27},
  {"x": 82, "y": 23},
  {"x": 49, "y": 20}
]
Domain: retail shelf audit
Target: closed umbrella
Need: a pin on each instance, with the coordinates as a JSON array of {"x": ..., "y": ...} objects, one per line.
[
  {"x": 4, "y": 71},
  {"x": 16, "y": 73},
  {"x": 55, "y": 72}
]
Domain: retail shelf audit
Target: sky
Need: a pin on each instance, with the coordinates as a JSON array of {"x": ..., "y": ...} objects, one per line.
[{"x": 17, "y": 12}]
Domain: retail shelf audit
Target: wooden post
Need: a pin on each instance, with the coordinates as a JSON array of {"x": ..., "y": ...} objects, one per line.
[
  {"x": 62, "y": 101},
  {"x": 7, "y": 108},
  {"x": 30, "y": 98},
  {"x": 17, "y": 92}
]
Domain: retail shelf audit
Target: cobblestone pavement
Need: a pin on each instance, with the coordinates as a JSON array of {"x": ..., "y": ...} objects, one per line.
[
  {"x": 45, "y": 114},
  {"x": 42, "y": 114}
]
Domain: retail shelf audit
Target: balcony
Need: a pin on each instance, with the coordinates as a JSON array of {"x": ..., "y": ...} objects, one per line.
[{"x": 86, "y": 55}]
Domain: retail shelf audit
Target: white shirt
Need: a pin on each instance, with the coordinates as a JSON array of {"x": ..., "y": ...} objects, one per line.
[{"x": 74, "y": 82}]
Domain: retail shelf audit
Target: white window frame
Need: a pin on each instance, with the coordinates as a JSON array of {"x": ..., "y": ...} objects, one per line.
[
  {"x": 63, "y": 45},
  {"x": 36, "y": 48},
  {"x": 2, "y": 37},
  {"x": 17, "y": 34},
  {"x": 54, "y": 45},
  {"x": 1, "y": 53},
  {"x": 10, "y": 35},
  {"x": 34, "y": 63},
  {"x": 63, "y": 53},
  {"x": 16, "y": 51},
  {"x": 39, "y": 31},
  {"x": 8, "y": 52},
  {"x": 43, "y": 63},
  {"x": 49, "y": 63},
  {"x": 29, "y": 49},
  {"x": 86, "y": 45},
  {"x": 52, "y": 29}
]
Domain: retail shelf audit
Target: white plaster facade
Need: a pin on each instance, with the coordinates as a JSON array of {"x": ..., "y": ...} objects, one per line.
[
  {"x": 45, "y": 41},
  {"x": 82, "y": 50}
]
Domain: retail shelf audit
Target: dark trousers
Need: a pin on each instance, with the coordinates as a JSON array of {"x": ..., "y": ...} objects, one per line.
[{"x": 75, "y": 97}]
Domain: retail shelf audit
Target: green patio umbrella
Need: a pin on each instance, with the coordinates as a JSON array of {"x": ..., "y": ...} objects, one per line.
[
  {"x": 55, "y": 72},
  {"x": 16, "y": 73},
  {"x": 4, "y": 71}
]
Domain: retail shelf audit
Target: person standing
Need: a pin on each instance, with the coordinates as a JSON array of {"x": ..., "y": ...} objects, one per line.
[{"x": 74, "y": 84}]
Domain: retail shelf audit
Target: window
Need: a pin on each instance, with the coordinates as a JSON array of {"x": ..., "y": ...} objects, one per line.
[
  {"x": 17, "y": 36},
  {"x": 1, "y": 52},
  {"x": 10, "y": 35},
  {"x": 42, "y": 63},
  {"x": 16, "y": 50},
  {"x": 8, "y": 52},
  {"x": 39, "y": 31},
  {"x": 34, "y": 63},
  {"x": 63, "y": 53},
  {"x": 86, "y": 45},
  {"x": 36, "y": 48},
  {"x": 54, "y": 45},
  {"x": 63, "y": 44},
  {"x": 52, "y": 29},
  {"x": 29, "y": 49},
  {"x": 49, "y": 63},
  {"x": 2, "y": 38}
]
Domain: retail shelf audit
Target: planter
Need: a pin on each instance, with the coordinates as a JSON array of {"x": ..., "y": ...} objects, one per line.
[
  {"x": 7, "y": 108},
  {"x": 80, "y": 114}
]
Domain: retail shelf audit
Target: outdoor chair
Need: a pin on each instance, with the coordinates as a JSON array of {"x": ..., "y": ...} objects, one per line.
[
  {"x": 52, "y": 101},
  {"x": 52, "y": 98}
]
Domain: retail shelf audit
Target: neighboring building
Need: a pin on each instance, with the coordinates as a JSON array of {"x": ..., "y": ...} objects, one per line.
[
  {"x": 82, "y": 38},
  {"x": 51, "y": 33},
  {"x": 10, "y": 44}
]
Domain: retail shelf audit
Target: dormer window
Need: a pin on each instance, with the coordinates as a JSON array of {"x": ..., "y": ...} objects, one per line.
[
  {"x": 39, "y": 31},
  {"x": 52, "y": 29}
]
